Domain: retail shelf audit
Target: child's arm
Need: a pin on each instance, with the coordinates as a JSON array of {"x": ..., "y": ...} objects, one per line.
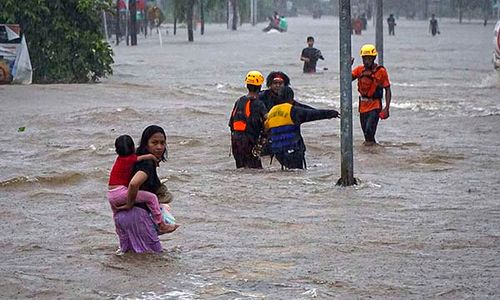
[{"x": 146, "y": 156}]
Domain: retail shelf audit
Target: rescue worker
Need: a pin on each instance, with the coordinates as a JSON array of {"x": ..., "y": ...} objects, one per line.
[
  {"x": 283, "y": 126},
  {"x": 274, "y": 82},
  {"x": 247, "y": 123},
  {"x": 372, "y": 81}
]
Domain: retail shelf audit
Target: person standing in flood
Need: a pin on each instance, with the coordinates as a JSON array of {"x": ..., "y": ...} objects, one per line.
[
  {"x": 283, "y": 126},
  {"x": 372, "y": 81},
  {"x": 310, "y": 56},
  {"x": 433, "y": 25},
  {"x": 247, "y": 123},
  {"x": 135, "y": 228},
  {"x": 271, "y": 97},
  {"x": 391, "y": 23},
  {"x": 119, "y": 179}
]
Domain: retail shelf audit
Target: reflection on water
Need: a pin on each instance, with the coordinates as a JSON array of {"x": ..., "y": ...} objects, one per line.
[{"x": 422, "y": 223}]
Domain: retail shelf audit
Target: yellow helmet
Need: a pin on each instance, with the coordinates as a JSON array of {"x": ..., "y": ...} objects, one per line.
[
  {"x": 254, "y": 78},
  {"x": 368, "y": 50}
]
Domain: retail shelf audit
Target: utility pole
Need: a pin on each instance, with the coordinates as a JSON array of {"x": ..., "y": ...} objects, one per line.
[
  {"x": 189, "y": 19},
  {"x": 379, "y": 32},
  {"x": 346, "y": 165},
  {"x": 105, "y": 22},
  {"x": 253, "y": 12},
  {"x": 202, "y": 18},
  {"x": 117, "y": 28}
]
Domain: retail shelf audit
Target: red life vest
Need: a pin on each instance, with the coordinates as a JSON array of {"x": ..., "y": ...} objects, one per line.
[{"x": 367, "y": 85}]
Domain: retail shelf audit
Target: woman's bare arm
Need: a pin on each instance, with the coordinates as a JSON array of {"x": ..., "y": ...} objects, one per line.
[{"x": 133, "y": 188}]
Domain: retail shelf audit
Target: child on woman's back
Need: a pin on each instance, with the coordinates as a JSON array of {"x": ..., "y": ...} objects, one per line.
[{"x": 119, "y": 179}]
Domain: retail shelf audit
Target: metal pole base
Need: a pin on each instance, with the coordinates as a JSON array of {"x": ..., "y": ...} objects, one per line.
[{"x": 347, "y": 181}]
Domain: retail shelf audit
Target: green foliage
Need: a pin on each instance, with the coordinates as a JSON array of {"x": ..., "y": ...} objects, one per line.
[
  {"x": 180, "y": 10},
  {"x": 64, "y": 38}
]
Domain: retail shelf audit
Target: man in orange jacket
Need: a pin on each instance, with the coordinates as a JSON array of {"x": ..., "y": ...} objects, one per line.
[{"x": 372, "y": 81}]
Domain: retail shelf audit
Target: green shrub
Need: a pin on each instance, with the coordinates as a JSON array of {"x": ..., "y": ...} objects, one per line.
[{"x": 65, "y": 40}]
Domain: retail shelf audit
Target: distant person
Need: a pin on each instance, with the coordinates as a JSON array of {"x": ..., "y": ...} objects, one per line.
[
  {"x": 275, "y": 23},
  {"x": 270, "y": 25},
  {"x": 283, "y": 24},
  {"x": 372, "y": 81},
  {"x": 283, "y": 125},
  {"x": 391, "y": 22},
  {"x": 247, "y": 123},
  {"x": 433, "y": 26},
  {"x": 364, "y": 21},
  {"x": 357, "y": 25},
  {"x": 156, "y": 17},
  {"x": 120, "y": 176},
  {"x": 316, "y": 11},
  {"x": 310, "y": 56},
  {"x": 276, "y": 18}
]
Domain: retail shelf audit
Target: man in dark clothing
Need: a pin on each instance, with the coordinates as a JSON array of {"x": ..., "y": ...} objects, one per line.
[
  {"x": 391, "y": 22},
  {"x": 283, "y": 125},
  {"x": 433, "y": 25},
  {"x": 364, "y": 21},
  {"x": 310, "y": 56},
  {"x": 274, "y": 82},
  {"x": 247, "y": 123}
]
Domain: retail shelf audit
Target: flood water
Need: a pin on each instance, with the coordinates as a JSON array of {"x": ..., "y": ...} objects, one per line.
[{"x": 422, "y": 223}]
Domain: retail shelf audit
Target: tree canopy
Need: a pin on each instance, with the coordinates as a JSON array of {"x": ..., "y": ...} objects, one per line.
[{"x": 64, "y": 38}]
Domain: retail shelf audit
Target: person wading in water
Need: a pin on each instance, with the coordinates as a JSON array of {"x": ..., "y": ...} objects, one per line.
[
  {"x": 247, "y": 123},
  {"x": 372, "y": 81}
]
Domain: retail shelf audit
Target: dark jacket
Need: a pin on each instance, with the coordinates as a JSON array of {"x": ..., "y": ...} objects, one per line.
[{"x": 270, "y": 99}]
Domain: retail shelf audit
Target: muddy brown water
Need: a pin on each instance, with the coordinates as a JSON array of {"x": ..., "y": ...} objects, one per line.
[{"x": 422, "y": 223}]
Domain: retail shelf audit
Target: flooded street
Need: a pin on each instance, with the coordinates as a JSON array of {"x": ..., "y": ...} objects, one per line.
[{"x": 422, "y": 223}]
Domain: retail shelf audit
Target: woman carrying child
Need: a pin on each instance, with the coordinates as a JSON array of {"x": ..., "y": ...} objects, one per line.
[{"x": 134, "y": 226}]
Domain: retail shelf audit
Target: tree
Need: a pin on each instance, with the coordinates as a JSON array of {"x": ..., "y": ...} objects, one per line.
[
  {"x": 202, "y": 18},
  {"x": 235, "y": 7},
  {"x": 179, "y": 13},
  {"x": 189, "y": 19},
  {"x": 183, "y": 12},
  {"x": 485, "y": 7},
  {"x": 64, "y": 38}
]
